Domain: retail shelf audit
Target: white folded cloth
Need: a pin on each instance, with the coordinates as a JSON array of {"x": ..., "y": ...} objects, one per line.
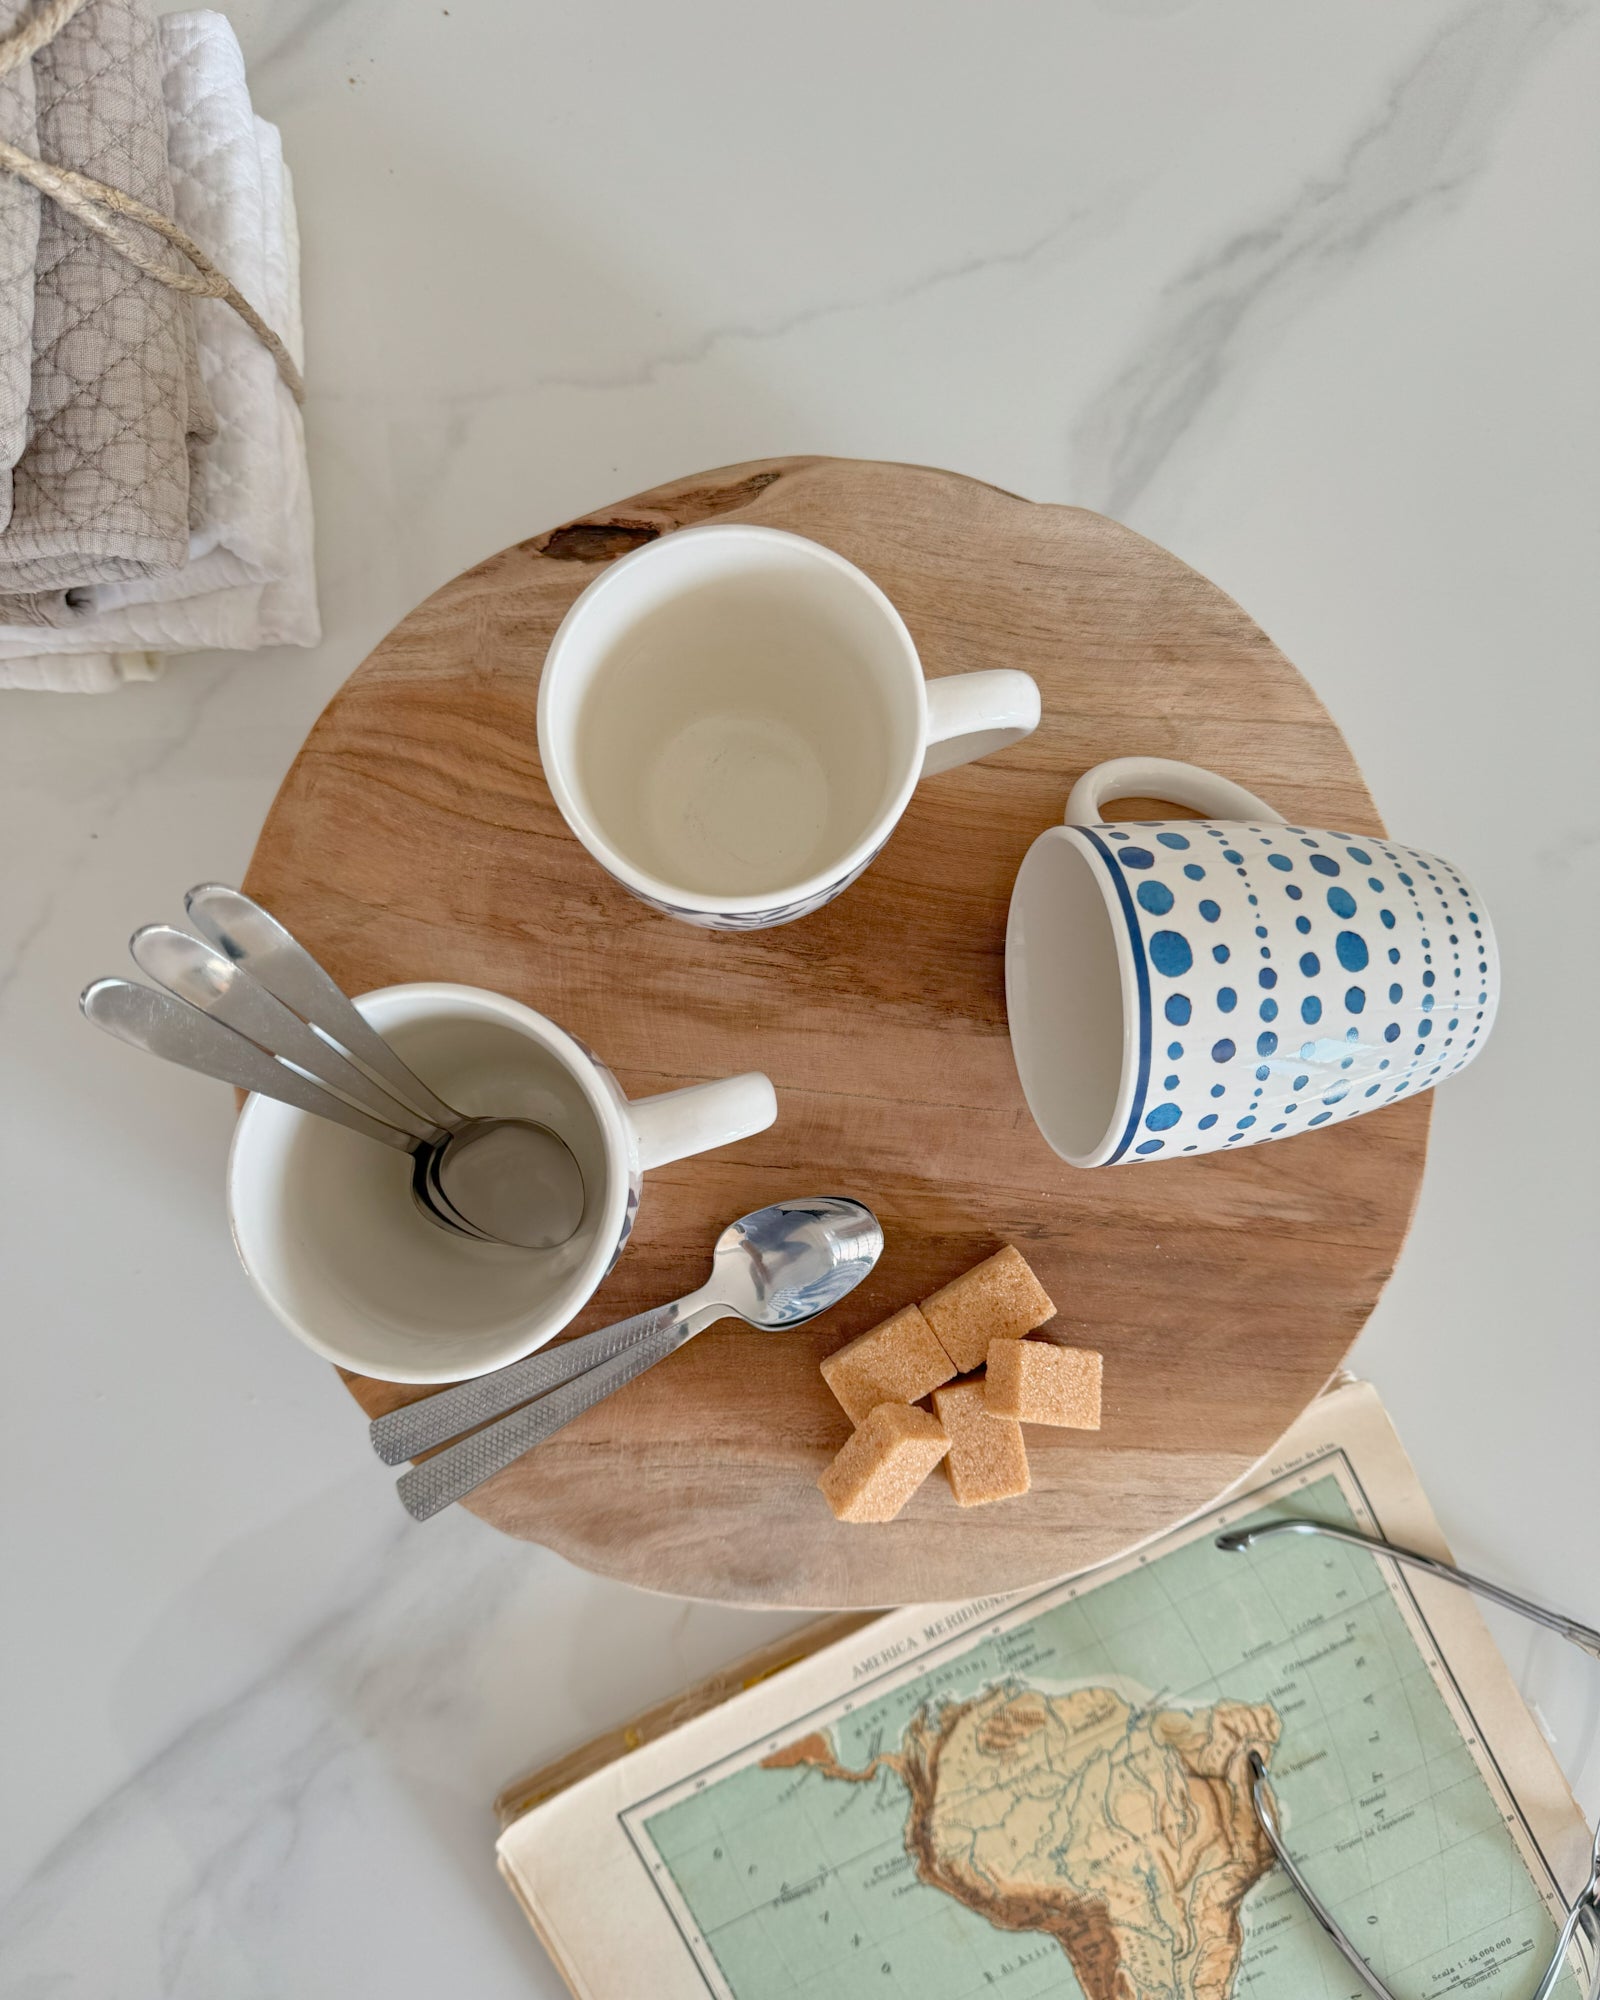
[
  {"x": 249, "y": 580},
  {"x": 79, "y": 673}
]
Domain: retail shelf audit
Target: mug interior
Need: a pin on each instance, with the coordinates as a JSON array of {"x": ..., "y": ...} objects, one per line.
[
  {"x": 1065, "y": 999},
  {"x": 739, "y": 714},
  {"x": 326, "y": 1227}
]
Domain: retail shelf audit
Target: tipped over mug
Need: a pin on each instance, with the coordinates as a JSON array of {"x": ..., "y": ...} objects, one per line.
[
  {"x": 1186, "y": 986},
  {"x": 732, "y": 720}
]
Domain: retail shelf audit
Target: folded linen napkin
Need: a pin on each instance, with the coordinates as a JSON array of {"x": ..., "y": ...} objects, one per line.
[
  {"x": 102, "y": 488},
  {"x": 250, "y": 579},
  {"x": 78, "y": 673},
  {"x": 19, "y": 243}
]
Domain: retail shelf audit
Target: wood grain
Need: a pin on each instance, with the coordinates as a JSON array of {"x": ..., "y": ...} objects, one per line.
[{"x": 414, "y": 838}]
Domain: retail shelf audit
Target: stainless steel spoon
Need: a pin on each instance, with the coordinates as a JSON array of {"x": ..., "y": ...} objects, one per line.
[
  {"x": 512, "y": 1180},
  {"x": 245, "y": 932},
  {"x": 169, "y": 1025},
  {"x": 222, "y": 988},
  {"x": 165, "y": 1026},
  {"x": 774, "y": 1268}
]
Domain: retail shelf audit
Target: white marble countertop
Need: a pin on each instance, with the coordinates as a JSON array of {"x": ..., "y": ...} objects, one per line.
[{"x": 1307, "y": 294}]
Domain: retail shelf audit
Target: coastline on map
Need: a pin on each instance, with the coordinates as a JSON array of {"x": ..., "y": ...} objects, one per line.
[{"x": 1123, "y": 1832}]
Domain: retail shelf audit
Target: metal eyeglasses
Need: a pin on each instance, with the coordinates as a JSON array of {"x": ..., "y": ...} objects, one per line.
[{"x": 1584, "y": 1915}]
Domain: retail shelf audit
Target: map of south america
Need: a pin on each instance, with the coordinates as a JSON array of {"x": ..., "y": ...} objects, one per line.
[
  {"x": 1049, "y": 1799},
  {"x": 1124, "y": 1833}
]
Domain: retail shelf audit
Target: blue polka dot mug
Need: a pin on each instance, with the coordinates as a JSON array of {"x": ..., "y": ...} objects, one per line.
[{"x": 1186, "y": 986}]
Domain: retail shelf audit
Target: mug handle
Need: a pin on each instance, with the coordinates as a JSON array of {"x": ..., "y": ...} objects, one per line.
[
  {"x": 701, "y": 1116},
  {"x": 971, "y": 714},
  {"x": 1163, "y": 778}
]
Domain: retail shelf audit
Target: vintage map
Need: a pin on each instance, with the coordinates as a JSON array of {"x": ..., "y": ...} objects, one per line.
[{"x": 1051, "y": 1800}]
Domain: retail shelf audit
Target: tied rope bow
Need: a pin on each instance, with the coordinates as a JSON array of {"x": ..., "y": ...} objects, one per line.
[{"x": 99, "y": 207}]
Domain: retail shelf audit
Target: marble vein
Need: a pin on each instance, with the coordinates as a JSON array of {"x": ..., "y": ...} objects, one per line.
[
  {"x": 131, "y": 777},
  {"x": 289, "y": 37},
  {"x": 225, "y": 1836},
  {"x": 237, "y": 1789},
  {"x": 649, "y": 369},
  {"x": 1211, "y": 325}
]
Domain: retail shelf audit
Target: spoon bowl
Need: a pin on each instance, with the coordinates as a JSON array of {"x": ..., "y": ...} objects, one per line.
[
  {"x": 510, "y": 1179},
  {"x": 781, "y": 1265}
]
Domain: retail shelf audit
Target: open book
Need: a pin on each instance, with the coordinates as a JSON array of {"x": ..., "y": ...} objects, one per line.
[{"x": 1024, "y": 1792}]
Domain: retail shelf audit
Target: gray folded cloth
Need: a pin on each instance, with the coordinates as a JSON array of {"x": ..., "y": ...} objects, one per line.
[
  {"x": 102, "y": 490},
  {"x": 19, "y": 243}
]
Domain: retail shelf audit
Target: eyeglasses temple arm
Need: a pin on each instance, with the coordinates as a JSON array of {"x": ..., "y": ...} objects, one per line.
[
  {"x": 1585, "y": 1911},
  {"x": 1580, "y": 1916},
  {"x": 1267, "y": 1812},
  {"x": 1583, "y": 1636}
]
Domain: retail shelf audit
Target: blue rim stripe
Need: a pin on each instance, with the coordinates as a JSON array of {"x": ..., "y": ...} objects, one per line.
[{"x": 1142, "y": 974}]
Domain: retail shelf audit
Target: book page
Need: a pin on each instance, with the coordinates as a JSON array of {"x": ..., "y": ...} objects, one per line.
[{"x": 1048, "y": 1792}]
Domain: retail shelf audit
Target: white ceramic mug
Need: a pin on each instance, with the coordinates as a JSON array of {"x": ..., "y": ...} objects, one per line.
[
  {"x": 325, "y": 1226},
  {"x": 1182, "y": 986},
  {"x": 732, "y": 719}
]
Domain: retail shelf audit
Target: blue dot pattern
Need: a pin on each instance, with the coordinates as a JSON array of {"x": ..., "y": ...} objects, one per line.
[{"x": 1309, "y": 908}]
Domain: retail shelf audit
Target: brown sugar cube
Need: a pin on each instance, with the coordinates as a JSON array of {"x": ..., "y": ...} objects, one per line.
[
  {"x": 897, "y": 1362},
  {"x": 999, "y": 1299},
  {"x": 1039, "y": 1383},
  {"x": 987, "y": 1460},
  {"x": 884, "y": 1463}
]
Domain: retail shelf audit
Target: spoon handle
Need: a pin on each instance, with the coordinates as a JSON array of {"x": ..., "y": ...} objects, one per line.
[
  {"x": 247, "y": 933},
  {"x": 436, "y": 1419},
  {"x": 452, "y": 1474},
  {"x": 224, "y": 989},
  {"x": 170, "y": 1028}
]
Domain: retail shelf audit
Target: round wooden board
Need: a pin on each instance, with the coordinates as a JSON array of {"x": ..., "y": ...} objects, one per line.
[{"x": 414, "y": 839}]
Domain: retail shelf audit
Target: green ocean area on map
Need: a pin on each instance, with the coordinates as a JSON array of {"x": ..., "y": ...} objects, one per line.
[{"x": 801, "y": 1883}]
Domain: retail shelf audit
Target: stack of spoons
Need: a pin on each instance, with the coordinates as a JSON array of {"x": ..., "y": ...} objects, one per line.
[{"x": 248, "y": 1004}]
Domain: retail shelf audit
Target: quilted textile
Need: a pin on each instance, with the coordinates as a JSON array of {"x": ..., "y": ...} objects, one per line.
[
  {"x": 102, "y": 487},
  {"x": 19, "y": 242},
  {"x": 249, "y": 578}
]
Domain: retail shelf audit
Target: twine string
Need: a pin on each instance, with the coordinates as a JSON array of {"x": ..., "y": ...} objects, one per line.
[{"x": 102, "y": 208}]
